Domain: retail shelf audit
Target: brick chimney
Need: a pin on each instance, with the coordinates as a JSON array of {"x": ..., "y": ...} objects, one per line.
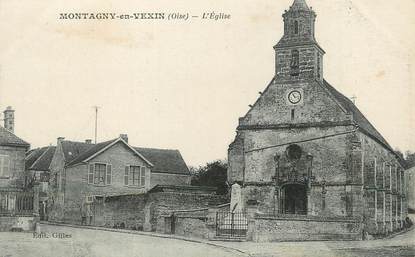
[
  {"x": 124, "y": 137},
  {"x": 88, "y": 141},
  {"x": 9, "y": 119}
]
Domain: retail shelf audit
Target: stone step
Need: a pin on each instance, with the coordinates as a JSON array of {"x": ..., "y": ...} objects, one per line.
[{"x": 228, "y": 239}]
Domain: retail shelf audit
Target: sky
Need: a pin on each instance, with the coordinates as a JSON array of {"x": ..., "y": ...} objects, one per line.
[{"x": 183, "y": 84}]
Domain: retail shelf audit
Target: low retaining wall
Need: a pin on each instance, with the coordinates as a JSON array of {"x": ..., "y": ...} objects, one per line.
[
  {"x": 18, "y": 223},
  {"x": 124, "y": 212},
  {"x": 188, "y": 223},
  {"x": 306, "y": 228},
  {"x": 148, "y": 211},
  {"x": 192, "y": 227}
]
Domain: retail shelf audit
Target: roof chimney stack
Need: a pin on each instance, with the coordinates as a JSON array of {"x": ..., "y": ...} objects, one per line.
[
  {"x": 88, "y": 141},
  {"x": 9, "y": 119},
  {"x": 124, "y": 137},
  {"x": 60, "y": 139}
]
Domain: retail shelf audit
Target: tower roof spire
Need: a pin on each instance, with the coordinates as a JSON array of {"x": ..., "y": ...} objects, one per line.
[{"x": 299, "y": 5}]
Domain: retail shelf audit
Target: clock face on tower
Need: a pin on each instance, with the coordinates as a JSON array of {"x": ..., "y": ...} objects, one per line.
[{"x": 295, "y": 97}]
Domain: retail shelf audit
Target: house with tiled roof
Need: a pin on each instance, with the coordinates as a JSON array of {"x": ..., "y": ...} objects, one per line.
[
  {"x": 37, "y": 165},
  {"x": 304, "y": 149},
  {"x": 12, "y": 154},
  {"x": 17, "y": 208},
  {"x": 82, "y": 173}
]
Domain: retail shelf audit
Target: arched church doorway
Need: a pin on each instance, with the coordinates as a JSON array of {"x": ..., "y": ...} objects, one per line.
[{"x": 294, "y": 199}]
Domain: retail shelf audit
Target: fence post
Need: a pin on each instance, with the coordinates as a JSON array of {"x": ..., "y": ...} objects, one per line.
[
  {"x": 232, "y": 223},
  {"x": 36, "y": 200},
  {"x": 250, "y": 216},
  {"x": 211, "y": 222},
  {"x": 147, "y": 217}
]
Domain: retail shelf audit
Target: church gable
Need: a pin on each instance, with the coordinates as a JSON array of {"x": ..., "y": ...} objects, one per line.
[
  {"x": 294, "y": 103},
  {"x": 305, "y": 149},
  {"x": 297, "y": 96}
]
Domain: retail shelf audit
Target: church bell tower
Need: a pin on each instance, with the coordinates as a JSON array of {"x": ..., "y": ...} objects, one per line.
[{"x": 298, "y": 55}]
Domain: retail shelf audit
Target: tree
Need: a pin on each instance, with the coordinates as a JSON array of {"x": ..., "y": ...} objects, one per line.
[
  {"x": 398, "y": 152},
  {"x": 213, "y": 174},
  {"x": 410, "y": 158},
  {"x": 193, "y": 170}
]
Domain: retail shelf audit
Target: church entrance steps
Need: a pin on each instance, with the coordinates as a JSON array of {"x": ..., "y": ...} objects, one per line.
[{"x": 228, "y": 239}]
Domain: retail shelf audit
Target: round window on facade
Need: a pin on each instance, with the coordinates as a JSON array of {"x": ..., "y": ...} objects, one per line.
[{"x": 294, "y": 152}]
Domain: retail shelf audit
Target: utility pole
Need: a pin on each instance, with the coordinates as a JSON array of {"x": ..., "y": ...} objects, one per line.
[{"x": 96, "y": 121}]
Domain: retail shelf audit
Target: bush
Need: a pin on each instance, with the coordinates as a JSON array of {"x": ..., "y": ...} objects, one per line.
[{"x": 213, "y": 174}]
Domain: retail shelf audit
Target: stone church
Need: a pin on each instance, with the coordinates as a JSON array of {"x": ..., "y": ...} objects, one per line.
[{"x": 305, "y": 152}]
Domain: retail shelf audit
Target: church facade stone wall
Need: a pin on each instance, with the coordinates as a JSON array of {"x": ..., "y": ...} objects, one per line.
[{"x": 304, "y": 149}]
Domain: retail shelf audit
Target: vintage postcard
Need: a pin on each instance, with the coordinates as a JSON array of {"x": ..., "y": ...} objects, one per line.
[{"x": 207, "y": 128}]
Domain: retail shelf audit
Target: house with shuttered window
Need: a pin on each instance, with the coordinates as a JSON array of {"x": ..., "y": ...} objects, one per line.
[
  {"x": 84, "y": 174},
  {"x": 17, "y": 209},
  {"x": 12, "y": 154}
]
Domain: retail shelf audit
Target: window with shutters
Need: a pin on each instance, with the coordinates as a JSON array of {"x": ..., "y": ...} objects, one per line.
[
  {"x": 100, "y": 174},
  {"x": 109, "y": 175},
  {"x": 126, "y": 175},
  {"x": 134, "y": 176},
  {"x": 143, "y": 176},
  {"x": 4, "y": 166},
  {"x": 91, "y": 174}
]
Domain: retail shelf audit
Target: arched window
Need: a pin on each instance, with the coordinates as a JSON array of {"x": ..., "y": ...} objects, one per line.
[
  {"x": 296, "y": 27},
  {"x": 295, "y": 62}
]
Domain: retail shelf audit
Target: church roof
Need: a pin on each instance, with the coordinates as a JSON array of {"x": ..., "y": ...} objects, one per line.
[
  {"x": 9, "y": 139},
  {"x": 299, "y": 5},
  {"x": 358, "y": 116}
]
